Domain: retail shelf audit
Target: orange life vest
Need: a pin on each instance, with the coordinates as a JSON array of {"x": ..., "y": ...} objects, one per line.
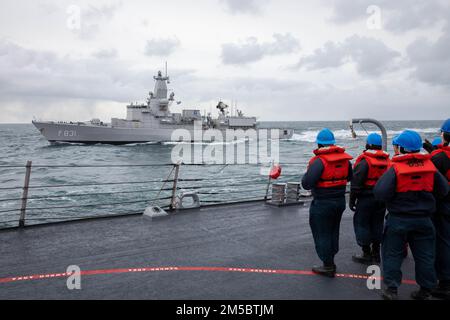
[
  {"x": 335, "y": 163},
  {"x": 378, "y": 162},
  {"x": 414, "y": 172},
  {"x": 446, "y": 150}
]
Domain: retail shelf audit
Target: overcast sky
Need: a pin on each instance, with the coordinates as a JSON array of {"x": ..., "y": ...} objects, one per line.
[{"x": 279, "y": 59}]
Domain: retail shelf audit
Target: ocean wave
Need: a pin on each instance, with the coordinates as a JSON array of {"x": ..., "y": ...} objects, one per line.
[
  {"x": 205, "y": 143},
  {"x": 141, "y": 144},
  {"x": 419, "y": 130},
  {"x": 310, "y": 135}
]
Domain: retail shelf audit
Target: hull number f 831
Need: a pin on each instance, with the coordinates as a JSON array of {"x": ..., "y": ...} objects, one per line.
[{"x": 67, "y": 133}]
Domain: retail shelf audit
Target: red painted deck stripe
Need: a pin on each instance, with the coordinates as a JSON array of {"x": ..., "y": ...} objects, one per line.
[{"x": 166, "y": 269}]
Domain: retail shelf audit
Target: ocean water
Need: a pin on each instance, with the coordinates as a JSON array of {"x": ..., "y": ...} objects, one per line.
[{"x": 134, "y": 188}]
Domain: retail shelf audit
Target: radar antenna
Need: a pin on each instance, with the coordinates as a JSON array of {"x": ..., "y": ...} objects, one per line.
[{"x": 222, "y": 107}]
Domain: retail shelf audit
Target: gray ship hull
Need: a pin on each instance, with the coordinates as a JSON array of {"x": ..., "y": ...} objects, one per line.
[
  {"x": 93, "y": 134},
  {"x": 76, "y": 133}
]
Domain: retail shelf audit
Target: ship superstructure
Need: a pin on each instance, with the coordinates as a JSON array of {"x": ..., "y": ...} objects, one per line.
[{"x": 148, "y": 122}]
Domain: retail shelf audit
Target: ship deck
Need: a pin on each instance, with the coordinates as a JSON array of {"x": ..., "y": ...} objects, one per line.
[{"x": 238, "y": 251}]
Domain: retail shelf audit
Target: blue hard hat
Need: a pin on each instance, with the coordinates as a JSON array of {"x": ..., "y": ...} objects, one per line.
[
  {"x": 410, "y": 140},
  {"x": 325, "y": 137},
  {"x": 446, "y": 126},
  {"x": 374, "y": 139},
  {"x": 436, "y": 141},
  {"x": 394, "y": 140}
]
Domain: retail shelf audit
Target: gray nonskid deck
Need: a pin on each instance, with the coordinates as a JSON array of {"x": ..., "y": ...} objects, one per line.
[{"x": 252, "y": 235}]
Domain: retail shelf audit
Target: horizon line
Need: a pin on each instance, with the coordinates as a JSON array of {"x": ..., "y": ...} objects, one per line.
[{"x": 347, "y": 120}]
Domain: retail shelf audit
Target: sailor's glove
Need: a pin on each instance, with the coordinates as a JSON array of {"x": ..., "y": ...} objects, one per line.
[
  {"x": 352, "y": 203},
  {"x": 428, "y": 146}
]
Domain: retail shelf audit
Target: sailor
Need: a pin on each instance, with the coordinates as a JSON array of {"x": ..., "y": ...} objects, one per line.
[
  {"x": 409, "y": 188},
  {"x": 434, "y": 145},
  {"x": 395, "y": 146},
  {"x": 327, "y": 176},
  {"x": 369, "y": 215},
  {"x": 441, "y": 218},
  {"x": 436, "y": 142}
]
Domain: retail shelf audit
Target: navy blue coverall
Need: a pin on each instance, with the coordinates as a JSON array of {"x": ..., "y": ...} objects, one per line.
[
  {"x": 409, "y": 221},
  {"x": 325, "y": 212},
  {"x": 368, "y": 220},
  {"x": 441, "y": 220}
]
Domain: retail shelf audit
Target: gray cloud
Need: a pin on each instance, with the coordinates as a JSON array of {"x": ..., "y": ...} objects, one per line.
[
  {"x": 251, "y": 50},
  {"x": 397, "y": 16},
  {"x": 50, "y": 86},
  {"x": 106, "y": 54},
  {"x": 48, "y": 8},
  {"x": 107, "y": 12},
  {"x": 13, "y": 56},
  {"x": 47, "y": 85},
  {"x": 161, "y": 47},
  {"x": 298, "y": 100},
  {"x": 32, "y": 73},
  {"x": 371, "y": 56},
  {"x": 245, "y": 6},
  {"x": 76, "y": 80},
  {"x": 92, "y": 17},
  {"x": 431, "y": 60}
]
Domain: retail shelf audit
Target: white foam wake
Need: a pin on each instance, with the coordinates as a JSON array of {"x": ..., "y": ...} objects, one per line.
[{"x": 310, "y": 135}]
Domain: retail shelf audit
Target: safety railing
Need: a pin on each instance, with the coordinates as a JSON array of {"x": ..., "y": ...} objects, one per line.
[{"x": 212, "y": 182}]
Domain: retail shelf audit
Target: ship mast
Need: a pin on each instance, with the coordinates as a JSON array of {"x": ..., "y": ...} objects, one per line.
[{"x": 159, "y": 102}]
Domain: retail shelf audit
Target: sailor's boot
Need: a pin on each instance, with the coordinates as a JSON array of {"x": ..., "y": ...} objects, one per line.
[
  {"x": 376, "y": 257},
  {"x": 389, "y": 294},
  {"x": 421, "y": 294},
  {"x": 365, "y": 257},
  {"x": 327, "y": 270},
  {"x": 442, "y": 291}
]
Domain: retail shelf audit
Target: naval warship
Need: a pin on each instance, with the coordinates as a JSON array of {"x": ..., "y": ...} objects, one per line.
[{"x": 149, "y": 122}]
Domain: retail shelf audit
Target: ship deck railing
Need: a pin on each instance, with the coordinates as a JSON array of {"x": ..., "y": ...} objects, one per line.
[{"x": 19, "y": 210}]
